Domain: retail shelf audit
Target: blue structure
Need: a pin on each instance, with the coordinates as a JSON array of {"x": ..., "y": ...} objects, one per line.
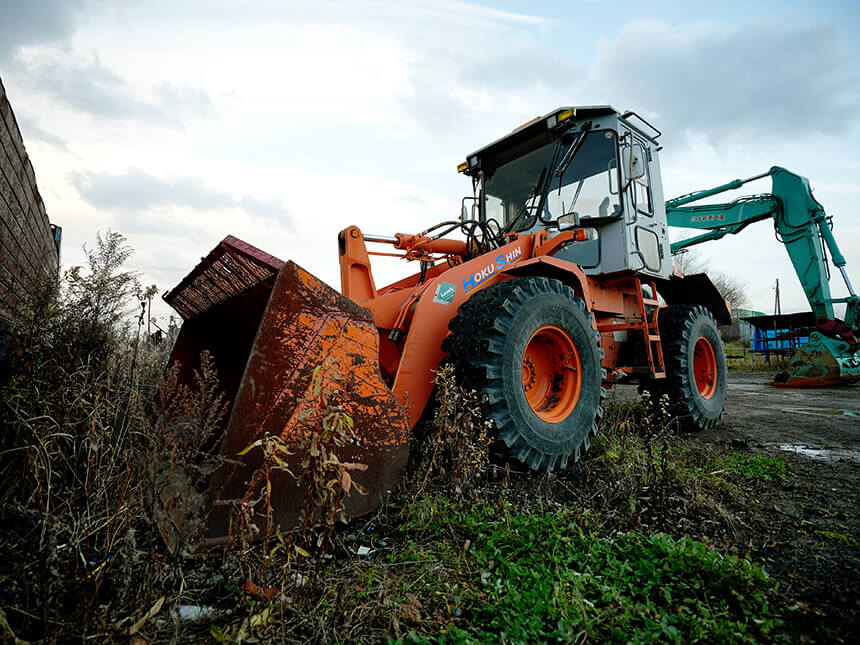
[{"x": 781, "y": 334}]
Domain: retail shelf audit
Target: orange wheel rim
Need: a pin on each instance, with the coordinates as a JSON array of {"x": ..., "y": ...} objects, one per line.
[
  {"x": 705, "y": 368},
  {"x": 552, "y": 374}
]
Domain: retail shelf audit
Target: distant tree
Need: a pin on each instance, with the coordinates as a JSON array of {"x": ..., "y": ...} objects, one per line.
[
  {"x": 95, "y": 302},
  {"x": 731, "y": 288},
  {"x": 688, "y": 263}
]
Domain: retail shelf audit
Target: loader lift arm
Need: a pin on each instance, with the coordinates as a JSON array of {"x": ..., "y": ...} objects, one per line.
[{"x": 800, "y": 223}]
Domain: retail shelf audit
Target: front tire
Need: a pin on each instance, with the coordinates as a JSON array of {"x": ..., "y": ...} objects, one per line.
[
  {"x": 695, "y": 358},
  {"x": 529, "y": 345}
]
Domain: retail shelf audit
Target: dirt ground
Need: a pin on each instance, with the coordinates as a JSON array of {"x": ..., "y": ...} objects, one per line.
[{"x": 804, "y": 530}]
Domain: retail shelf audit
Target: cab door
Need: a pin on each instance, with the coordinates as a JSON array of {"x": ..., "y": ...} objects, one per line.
[{"x": 645, "y": 231}]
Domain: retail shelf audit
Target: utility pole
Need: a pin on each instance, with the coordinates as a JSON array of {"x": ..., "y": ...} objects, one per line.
[{"x": 777, "y": 310}]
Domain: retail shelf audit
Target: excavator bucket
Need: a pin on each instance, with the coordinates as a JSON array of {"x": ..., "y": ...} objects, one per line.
[
  {"x": 298, "y": 364},
  {"x": 821, "y": 362}
]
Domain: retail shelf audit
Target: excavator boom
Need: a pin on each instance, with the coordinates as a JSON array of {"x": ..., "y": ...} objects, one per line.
[{"x": 831, "y": 356}]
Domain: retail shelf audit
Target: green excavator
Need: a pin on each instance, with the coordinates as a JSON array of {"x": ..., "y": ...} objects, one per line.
[{"x": 832, "y": 355}]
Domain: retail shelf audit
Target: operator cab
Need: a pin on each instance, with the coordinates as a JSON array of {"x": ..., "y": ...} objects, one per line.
[{"x": 586, "y": 167}]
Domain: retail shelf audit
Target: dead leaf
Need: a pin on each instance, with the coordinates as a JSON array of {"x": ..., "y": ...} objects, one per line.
[
  {"x": 808, "y": 608},
  {"x": 152, "y": 611},
  {"x": 252, "y": 588}
]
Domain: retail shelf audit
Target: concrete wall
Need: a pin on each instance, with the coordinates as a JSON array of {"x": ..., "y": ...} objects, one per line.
[{"x": 29, "y": 257}]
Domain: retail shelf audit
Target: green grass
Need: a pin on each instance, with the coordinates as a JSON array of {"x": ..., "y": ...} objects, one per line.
[
  {"x": 540, "y": 577},
  {"x": 846, "y": 539},
  {"x": 758, "y": 467}
]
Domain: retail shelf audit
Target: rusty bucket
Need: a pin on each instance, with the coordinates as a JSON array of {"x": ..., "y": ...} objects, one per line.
[{"x": 292, "y": 355}]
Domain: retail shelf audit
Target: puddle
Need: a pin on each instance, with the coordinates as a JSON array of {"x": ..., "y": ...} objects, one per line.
[
  {"x": 823, "y": 454},
  {"x": 828, "y": 412},
  {"x": 752, "y": 388}
]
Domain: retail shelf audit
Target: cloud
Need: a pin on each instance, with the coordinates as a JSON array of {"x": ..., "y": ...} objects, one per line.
[
  {"x": 31, "y": 130},
  {"x": 410, "y": 199},
  {"x": 523, "y": 70},
  {"x": 733, "y": 83},
  {"x": 470, "y": 13},
  {"x": 134, "y": 195},
  {"x": 445, "y": 12},
  {"x": 448, "y": 91},
  {"x": 94, "y": 89},
  {"x": 33, "y": 23},
  {"x": 85, "y": 86},
  {"x": 184, "y": 101}
]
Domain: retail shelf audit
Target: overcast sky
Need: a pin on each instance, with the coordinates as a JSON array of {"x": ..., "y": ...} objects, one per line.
[{"x": 177, "y": 123}]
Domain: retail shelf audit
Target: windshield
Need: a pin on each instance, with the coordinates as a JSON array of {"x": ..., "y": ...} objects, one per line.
[{"x": 547, "y": 180}]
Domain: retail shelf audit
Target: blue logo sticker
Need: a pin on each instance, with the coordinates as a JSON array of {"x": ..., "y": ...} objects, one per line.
[{"x": 445, "y": 293}]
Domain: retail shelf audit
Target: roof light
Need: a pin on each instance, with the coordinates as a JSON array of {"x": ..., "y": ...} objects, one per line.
[
  {"x": 529, "y": 122},
  {"x": 564, "y": 116},
  {"x": 462, "y": 167}
]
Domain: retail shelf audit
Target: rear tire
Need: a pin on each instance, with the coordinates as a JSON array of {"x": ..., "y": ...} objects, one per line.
[
  {"x": 528, "y": 344},
  {"x": 695, "y": 360}
]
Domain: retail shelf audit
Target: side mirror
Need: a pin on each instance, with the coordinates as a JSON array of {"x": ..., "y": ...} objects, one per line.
[
  {"x": 464, "y": 210},
  {"x": 633, "y": 159},
  {"x": 568, "y": 221}
]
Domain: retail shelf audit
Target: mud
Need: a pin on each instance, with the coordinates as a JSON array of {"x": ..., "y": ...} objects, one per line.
[{"x": 804, "y": 530}]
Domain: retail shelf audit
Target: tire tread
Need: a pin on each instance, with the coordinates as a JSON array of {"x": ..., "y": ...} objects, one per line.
[{"x": 477, "y": 340}]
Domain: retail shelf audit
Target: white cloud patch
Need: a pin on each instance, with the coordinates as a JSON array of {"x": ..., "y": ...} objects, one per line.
[
  {"x": 523, "y": 70},
  {"x": 758, "y": 80},
  {"x": 37, "y": 22},
  {"x": 32, "y": 130},
  {"x": 134, "y": 196},
  {"x": 92, "y": 88}
]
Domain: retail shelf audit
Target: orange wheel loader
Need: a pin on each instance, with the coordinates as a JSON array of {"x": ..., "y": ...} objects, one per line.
[{"x": 555, "y": 281}]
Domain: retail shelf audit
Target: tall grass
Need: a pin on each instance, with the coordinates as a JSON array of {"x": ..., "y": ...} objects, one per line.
[
  {"x": 103, "y": 456},
  {"x": 80, "y": 435}
]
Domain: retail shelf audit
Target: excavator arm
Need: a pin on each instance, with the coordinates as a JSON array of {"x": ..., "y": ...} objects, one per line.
[
  {"x": 800, "y": 224},
  {"x": 832, "y": 355}
]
